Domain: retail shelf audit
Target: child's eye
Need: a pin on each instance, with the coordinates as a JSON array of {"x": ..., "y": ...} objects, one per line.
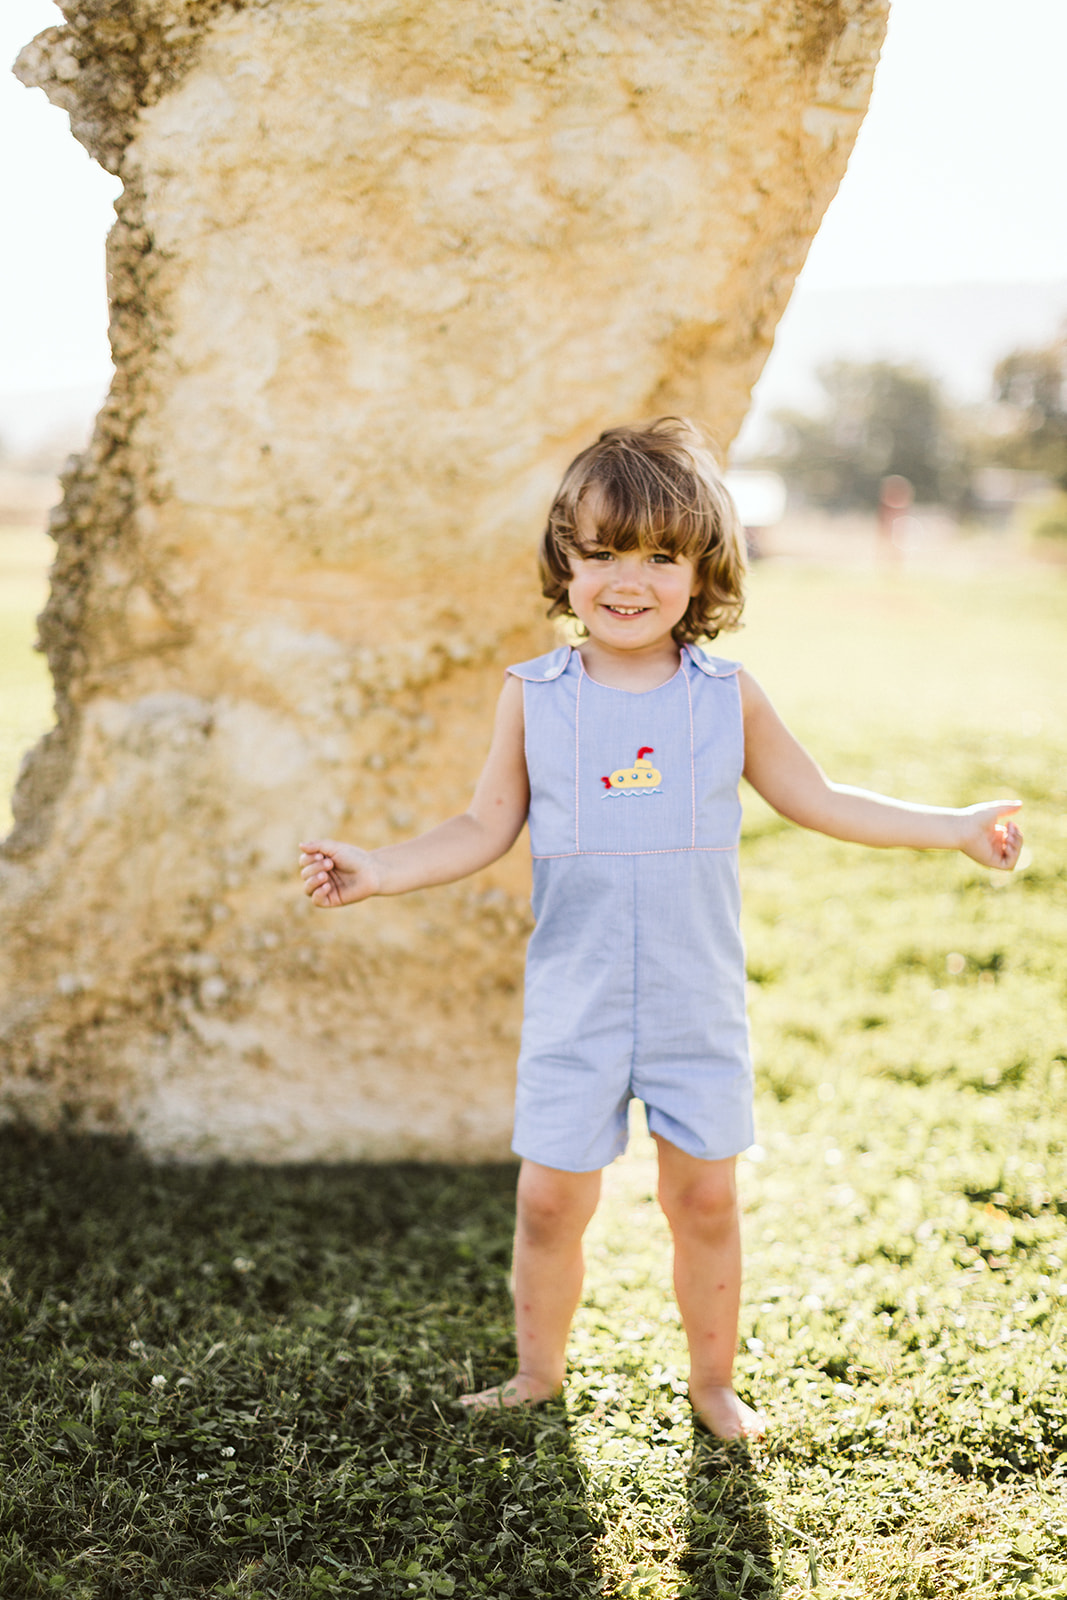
[
  {"x": 664, "y": 557},
  {"x": 600, "y": 555}
]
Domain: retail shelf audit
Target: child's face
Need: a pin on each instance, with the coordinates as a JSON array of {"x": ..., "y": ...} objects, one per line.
[{"x": 627, "y": 599}]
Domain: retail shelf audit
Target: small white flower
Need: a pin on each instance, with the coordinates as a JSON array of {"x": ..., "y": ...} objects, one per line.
[
  {"x": 755, "y": 1345},
  {"x": 242, "y": 1264},
  {"x": 159, "y": 1381},
  {"x": 227, "y": 1450},
  {"x": 812, "y": 1302},
  {"x": 200, "y": 1477}
]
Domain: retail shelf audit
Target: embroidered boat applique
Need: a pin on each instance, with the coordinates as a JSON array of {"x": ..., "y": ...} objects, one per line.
[{"x": 641, "y": 778}]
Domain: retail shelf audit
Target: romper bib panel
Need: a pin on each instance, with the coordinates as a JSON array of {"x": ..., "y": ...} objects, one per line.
[
  {"x": 635, "y": 969},
  {"x": 594, "y": 788}
]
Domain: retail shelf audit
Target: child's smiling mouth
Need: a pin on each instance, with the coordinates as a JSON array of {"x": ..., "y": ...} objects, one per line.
[{"x": 626, "y": 611}]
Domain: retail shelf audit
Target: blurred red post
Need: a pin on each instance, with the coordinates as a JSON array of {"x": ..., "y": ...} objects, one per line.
[{"x": 894, "y": 503}]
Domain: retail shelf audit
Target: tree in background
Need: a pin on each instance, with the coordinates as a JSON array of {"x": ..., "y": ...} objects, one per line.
[
  {"x": 878, "y": 419},
  {"x": 1032, "y": 387}
]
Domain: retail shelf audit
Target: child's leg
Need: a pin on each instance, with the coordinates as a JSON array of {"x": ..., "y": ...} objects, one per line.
[
  {"x": 699, "y": 1199},
  {"x": 552, "y": 1211}
]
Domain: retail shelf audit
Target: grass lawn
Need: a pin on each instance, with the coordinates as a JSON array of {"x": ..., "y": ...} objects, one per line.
[
  {"x": 25, "y": 686},
  {"x": 238, "y": 1381}
]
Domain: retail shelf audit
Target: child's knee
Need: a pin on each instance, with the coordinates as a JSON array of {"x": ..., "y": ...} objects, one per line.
[
  {"x": 553, "y": 1205},
  {"x": 706, "y": 1203}
]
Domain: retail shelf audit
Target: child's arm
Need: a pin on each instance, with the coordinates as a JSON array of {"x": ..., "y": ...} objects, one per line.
[
  {"x": 782, "y": 771},
  {"x": 338, "y": 874}
]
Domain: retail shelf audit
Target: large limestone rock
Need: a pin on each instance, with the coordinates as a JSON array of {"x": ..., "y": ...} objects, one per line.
[{"x": 380, "y": 267}]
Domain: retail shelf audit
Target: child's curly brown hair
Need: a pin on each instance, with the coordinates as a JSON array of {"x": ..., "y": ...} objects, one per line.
[{"x": 655, "y": 487}]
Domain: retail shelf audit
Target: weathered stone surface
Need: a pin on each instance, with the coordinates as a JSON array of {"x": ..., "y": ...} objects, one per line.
[{"x": 380, "y": 267}]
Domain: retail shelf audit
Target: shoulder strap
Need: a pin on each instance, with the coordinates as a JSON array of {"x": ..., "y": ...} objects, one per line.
[
  {"x": 542, "y": 669},
  {"x": 711, "y": 666}
]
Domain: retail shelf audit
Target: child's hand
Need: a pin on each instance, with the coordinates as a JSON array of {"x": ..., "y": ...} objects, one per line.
[
  {"x": 337, "y": 874},
  {"x": 986, "y": 839}
]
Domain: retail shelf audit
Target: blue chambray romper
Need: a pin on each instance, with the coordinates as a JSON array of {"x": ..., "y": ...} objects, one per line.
[{"x": 635, "y": 975}]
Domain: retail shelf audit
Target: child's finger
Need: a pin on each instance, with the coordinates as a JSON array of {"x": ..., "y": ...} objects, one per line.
[
  {"x": 317, "y": 871},
  {"x": 1007, "y": 843}
]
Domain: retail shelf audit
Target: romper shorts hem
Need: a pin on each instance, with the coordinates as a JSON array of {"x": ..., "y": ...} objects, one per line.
[{"x": 561, "y": 1161}]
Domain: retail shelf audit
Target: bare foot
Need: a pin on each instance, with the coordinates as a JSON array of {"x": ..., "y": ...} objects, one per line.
[
  {"x": 516, "y": 1391},
  {"x": 724, "y": 1415}
]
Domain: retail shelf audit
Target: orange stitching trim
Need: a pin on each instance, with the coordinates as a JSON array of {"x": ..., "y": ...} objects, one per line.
[
  {"x": 692, "y": 763},
  {"x": 577, "y": 789},
  {"x": 679, "y": 850}
]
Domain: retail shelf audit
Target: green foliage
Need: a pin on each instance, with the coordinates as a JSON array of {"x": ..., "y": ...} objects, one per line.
[
  {"x": 905, "y": 1314},
  {"x": 1049, "y": 522},
  {"x": 877, "y": 419},
  {"x": 1032, "y": 386}
]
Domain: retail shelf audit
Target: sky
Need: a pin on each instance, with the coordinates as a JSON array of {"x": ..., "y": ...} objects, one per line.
[
  {"x": 956, "y": 177},
  {"x": 957, "y": 173}
]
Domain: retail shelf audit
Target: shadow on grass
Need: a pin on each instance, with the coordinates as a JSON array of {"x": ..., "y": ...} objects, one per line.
[
  {"x": 731, "y": 1548},
  {"x": 238, "y": 1380}
]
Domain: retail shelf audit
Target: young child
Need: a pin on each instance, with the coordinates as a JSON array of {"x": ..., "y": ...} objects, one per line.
[{"x": 624, "y": 754}]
